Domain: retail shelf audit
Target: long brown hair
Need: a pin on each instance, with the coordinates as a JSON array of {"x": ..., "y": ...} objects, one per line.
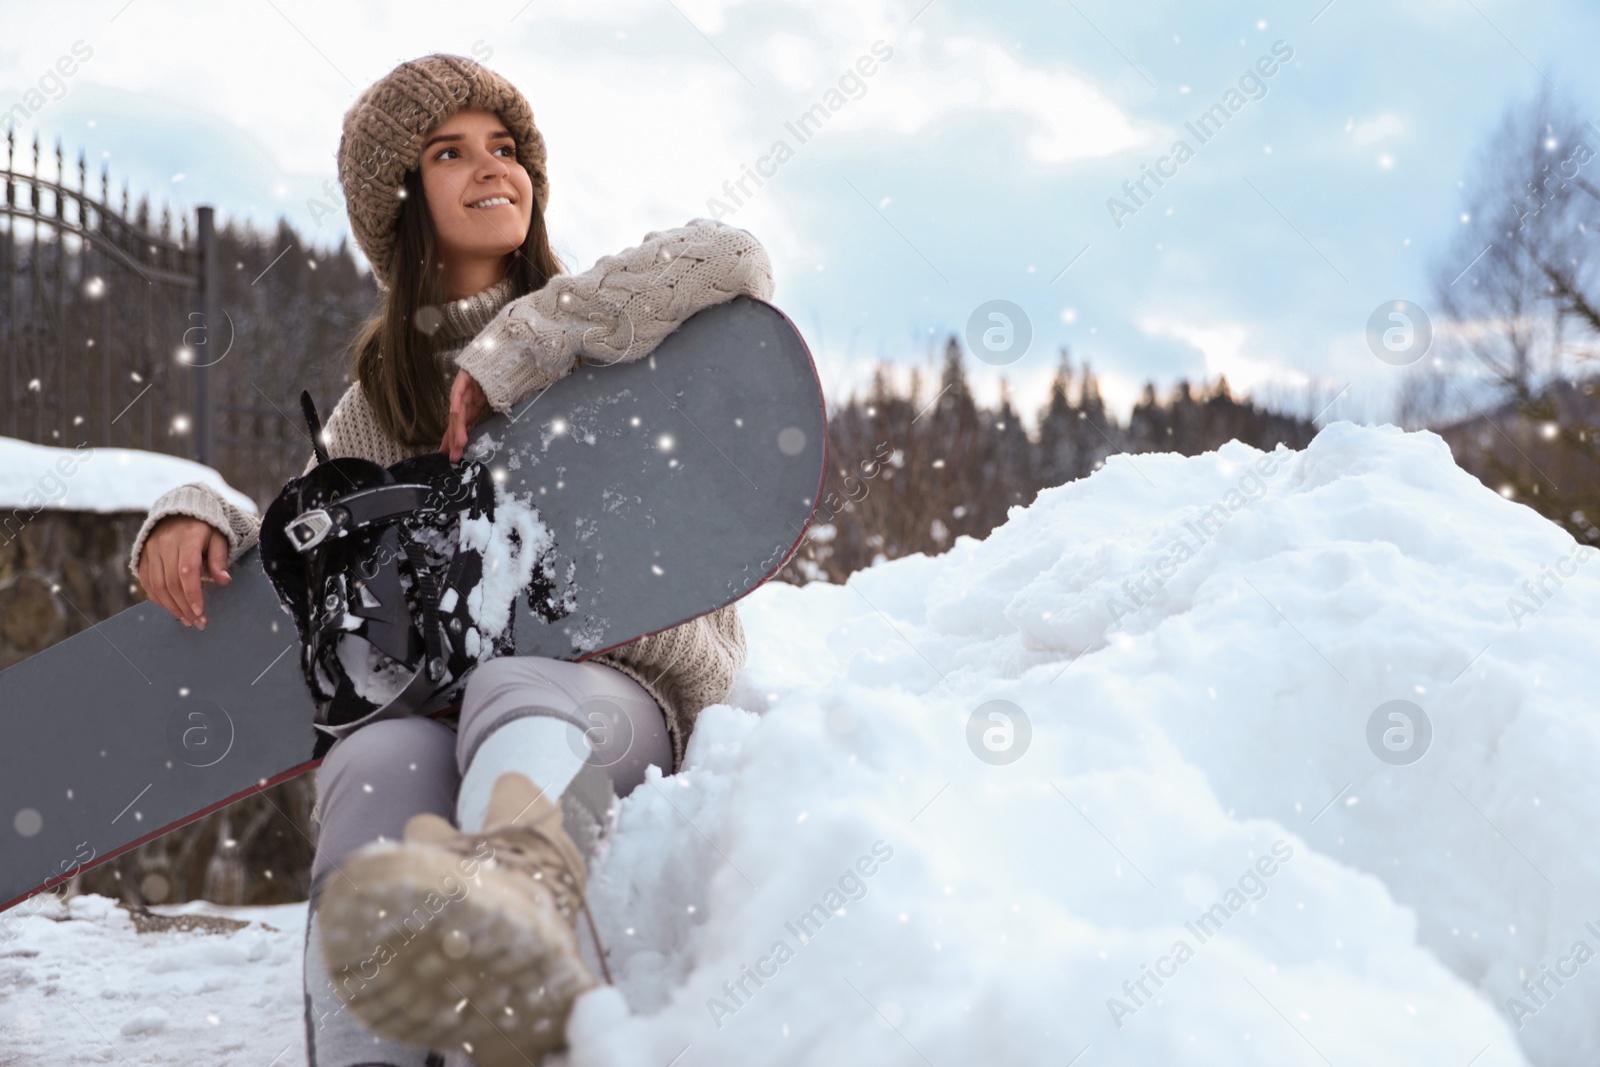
[{"x": 393, "y": 356}]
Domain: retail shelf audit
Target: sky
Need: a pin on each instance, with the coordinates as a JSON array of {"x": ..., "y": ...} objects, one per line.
[{"x": 993, "y": 154}]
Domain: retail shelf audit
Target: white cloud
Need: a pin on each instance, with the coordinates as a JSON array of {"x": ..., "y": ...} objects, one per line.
[
  {"x": 949, "y": 74},
  {"x": 1221, "y": 343},
  {"x": 790, "y": 58},
  {"x": 1378, "y": 128},
  {"x": 1120, "y": 391}
]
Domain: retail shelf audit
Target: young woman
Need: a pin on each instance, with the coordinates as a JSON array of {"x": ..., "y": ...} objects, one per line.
[{"x": 449, "y": 877}]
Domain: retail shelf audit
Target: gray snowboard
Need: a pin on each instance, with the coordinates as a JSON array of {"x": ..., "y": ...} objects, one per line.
[{"x": 673, "y": 485}]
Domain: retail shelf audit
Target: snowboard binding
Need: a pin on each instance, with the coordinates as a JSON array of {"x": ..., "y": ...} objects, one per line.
[{"x": 369, "y": 562}]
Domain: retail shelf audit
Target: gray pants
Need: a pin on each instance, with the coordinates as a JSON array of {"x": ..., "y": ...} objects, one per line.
[{"x": 374, "y": 780}]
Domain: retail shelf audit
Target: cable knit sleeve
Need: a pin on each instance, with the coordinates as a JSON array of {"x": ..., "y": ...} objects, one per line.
[
  {"x": 615, "y": 312},
  {"x": 350, "y": 430},
  {"x": 686, "y": 668}
]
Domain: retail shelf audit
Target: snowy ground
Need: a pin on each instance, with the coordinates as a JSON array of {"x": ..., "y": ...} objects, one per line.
[
  {"x": 1194, "y": 856},
  {"x": 78, "y": 985}
]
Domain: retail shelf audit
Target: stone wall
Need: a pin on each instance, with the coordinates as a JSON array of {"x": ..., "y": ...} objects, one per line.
[{"x": 80, "y": 555}]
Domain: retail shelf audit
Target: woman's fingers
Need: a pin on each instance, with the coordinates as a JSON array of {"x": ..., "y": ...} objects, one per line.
[
  {"x": 188, "y": 577},
  {"x": 164, "y": 567},
  {"x": 468, "y": 403},
  {"x": 147, "y": 578},
  {"x": 179, "y": 563},
  {"x": 473, "y": 405},
  {"x": 156, "y": 587},
  {"x": 452, "y": 430},
  {"x": 217, "y": 558}
]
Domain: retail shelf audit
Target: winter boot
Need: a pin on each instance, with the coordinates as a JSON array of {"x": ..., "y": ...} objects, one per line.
[
  {"x": 335, "y": 1037},
  {"x": 469, "y": 941}
]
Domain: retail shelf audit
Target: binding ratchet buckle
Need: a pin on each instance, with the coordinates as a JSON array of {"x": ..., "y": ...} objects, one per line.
[{"x": 308, "y": 530}]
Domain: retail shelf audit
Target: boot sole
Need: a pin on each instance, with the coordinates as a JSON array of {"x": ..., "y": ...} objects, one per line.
[{"x": 495, "y": 972}]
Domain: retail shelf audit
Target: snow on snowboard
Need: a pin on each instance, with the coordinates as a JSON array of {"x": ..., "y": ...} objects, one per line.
[{"x": 671, "y": 486}]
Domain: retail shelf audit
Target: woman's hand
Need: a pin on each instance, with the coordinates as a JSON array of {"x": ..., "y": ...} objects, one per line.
[
  {"x": 467, "y": 407},
  {"x": 179, "y": 553}
]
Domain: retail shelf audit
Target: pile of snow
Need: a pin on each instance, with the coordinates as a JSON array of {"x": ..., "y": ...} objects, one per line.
[
  {"x": 38, "y": 477},
  {"x": 1112, "y": 786},
  {"x": 1196, "y": 746}
]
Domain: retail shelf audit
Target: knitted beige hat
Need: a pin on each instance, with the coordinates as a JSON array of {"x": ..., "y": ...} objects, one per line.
[{"x": 385, "y": 127}]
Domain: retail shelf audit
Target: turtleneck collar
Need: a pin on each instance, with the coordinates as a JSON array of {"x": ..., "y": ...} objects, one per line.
[{"x": 462, "y": 319}]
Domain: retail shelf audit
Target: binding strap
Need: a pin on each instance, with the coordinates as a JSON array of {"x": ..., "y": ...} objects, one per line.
[
  {"x": 354, "y": 511},
  {"x": 315, "y": 425}
]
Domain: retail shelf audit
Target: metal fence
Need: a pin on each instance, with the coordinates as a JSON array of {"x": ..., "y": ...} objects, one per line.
[
  {"x": 101, "y": 316},
  {"x": 116, "y": 331}
]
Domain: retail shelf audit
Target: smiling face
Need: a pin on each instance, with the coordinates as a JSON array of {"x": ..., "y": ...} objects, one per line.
[{"x": 479, "y": 197}]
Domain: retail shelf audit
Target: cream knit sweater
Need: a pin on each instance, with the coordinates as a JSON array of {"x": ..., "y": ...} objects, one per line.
[{"x": 617, "y": 311}]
